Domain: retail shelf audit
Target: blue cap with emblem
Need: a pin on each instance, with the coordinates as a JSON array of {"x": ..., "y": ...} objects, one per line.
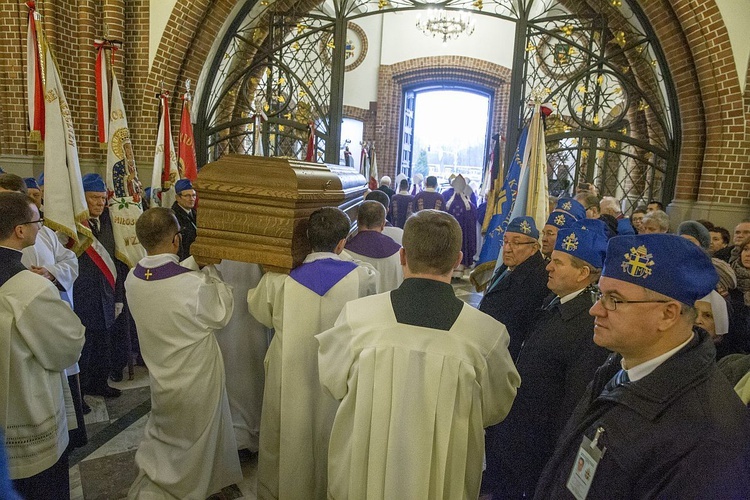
[
  {"x": 571, "y": 207},
  {"x": 523, "y": 225},
  {"x": 560, "y": 219},
  {"x": 586, "y": 241},
  {"x": 94, "y": 183},
  {"x": 31, "y": 183},
  {"x": 665, "y": 263},
  {"x": 182, "y": 185}
]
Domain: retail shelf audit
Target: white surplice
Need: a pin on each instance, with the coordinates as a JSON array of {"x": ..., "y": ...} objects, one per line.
[
  {"x": 48, "y": 252},
  {"x": 243, "y": 343},
  {"x": 189, "y": 450},
  {"x": 390, "y": 271},
  {"x": 414, "y": 401},
  {"x": 297, "y": 412}
]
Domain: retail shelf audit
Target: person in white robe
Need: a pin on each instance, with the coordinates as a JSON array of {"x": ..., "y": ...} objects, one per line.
[
  {"x": 40, "y": 336},
  {"x": 49, "y": 258},
  {"x": 189, "y": 450},
  {"x": 243, "y": 343},
  {"x": 419, "y": 375},
  {"x": 297, "y": 413},
  {"x": 393, "y": 232},
  {"x": 372, "y": 246}
]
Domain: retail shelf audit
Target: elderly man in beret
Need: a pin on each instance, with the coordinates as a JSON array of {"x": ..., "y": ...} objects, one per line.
[
  {"x": 565, "y": 213},
  {"x": 519, "y": 286},
  {"x": 556, "y": 363},
  {"x": 659, "y": 419},
  {"x": 98, "y": 292},
  {"x": 184, "y": 210}
]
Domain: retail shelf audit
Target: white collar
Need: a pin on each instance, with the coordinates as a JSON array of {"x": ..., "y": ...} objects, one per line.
[
  {"x": 312, "y": 257},
  {"x": 570, "y": 296},
  {"x": 152, "y": 261},
  {"x": 645, "y": 368},
  {"x": 430, "y": 190},
  {"x": 15, "y": 249}
]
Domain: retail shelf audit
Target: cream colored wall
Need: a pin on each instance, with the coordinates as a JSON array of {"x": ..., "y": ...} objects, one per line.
[
  {"x": 736, "y": 14},
  {"x": 159, "y": 11}
]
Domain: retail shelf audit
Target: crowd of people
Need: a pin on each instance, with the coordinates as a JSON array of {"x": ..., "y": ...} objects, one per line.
[{"x": 605, "y": 360}]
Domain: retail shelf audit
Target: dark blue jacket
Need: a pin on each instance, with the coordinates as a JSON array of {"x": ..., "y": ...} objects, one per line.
[{"x": 679, "y": 432}]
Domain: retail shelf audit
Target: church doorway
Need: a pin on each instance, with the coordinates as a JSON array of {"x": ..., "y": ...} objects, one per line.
[{"x": 445, "y": 132}]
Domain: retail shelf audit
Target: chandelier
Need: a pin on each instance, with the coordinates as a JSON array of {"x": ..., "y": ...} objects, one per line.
[{"x": 446, "y": 25}]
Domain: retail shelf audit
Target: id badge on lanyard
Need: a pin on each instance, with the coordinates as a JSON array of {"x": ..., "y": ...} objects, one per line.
[{"x": 584, "y": 467}]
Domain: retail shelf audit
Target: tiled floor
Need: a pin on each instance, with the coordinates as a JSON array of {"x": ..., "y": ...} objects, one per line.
[{"x": 105, "y": 468}]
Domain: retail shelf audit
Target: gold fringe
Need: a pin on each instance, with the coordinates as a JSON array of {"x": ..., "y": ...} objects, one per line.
[
  {"x": 481, "y": 275},
  {"x": 123, "y": 258},
  {"x": 35, "y": 136},
  {"x": 103, "y": 145}
]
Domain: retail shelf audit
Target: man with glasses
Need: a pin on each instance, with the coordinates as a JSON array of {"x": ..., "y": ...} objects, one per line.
[
  {"x": 659, "y": 419},
  {"x": 556, "y": 363},
  {"x": 184, "y": 210},
  {"x": 519, "y": 286},
  {"x": 40, "y": 337}
]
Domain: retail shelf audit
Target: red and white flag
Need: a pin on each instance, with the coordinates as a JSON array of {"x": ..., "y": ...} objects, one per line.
[
  {"x": 124, "y": 188},
  {"x": 373, "y": 183},
  {"x": 166, "y": 171},
  {"x": 65, "y": 207},
  {"x": 34, "y": 72},
  {"x": 310, "y": 154},
  {"x": 186, "y": 146}
]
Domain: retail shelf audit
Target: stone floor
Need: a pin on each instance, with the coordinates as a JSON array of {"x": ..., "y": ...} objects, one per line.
[{"x": 104, "y": 469}]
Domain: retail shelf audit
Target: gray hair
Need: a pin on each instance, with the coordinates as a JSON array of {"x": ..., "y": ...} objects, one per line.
[{"x": 658, "y": 216}]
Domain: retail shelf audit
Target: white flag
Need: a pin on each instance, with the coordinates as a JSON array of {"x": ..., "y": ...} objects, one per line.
[
  {"x": 123, "y": 184},
  {"x": 166, "y": 171},
  {"x": 65, "y": 207}
]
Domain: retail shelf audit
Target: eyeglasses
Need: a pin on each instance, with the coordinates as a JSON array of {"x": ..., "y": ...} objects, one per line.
[
  {"x": 516, "y": 244},
  {"x": 610, "y": 303},
  {"x": 39, "y": 221},
  {"x": 187, "y": 195}
]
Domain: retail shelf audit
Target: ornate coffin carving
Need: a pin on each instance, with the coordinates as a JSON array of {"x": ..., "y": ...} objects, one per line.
[{"x": 255, "y": 209}]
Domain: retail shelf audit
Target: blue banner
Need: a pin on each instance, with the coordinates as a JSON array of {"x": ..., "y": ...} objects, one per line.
[{"x": 504, "y": 202}]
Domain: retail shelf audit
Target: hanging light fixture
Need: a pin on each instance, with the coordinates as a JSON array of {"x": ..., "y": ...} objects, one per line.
[{"x": 444, "y": 24}]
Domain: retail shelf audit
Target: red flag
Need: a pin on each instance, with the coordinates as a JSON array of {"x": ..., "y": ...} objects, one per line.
[
  {"x": 310, "y": 156},
  {"x": 186, "y": 146},
  {"x": 34, "y": 71}
]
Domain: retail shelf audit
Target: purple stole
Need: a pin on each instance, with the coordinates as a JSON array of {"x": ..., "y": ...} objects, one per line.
[
  {"x": 321, "y": 275},
  {"x": 162, "y": 272},
  {"x": 373, "y": 244}
]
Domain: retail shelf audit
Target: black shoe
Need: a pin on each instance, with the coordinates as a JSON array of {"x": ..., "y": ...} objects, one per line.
[
  {"x": 85, "y": 407},
  {"x": 116, "y": 376},
  {"x": 106, "y": 391}
]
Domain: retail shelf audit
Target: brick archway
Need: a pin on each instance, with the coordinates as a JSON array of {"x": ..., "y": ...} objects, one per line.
[{"x": 392, "y": 79}]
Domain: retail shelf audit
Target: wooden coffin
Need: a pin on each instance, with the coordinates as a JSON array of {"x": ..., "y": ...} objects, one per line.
[{"x": 255, "y": 209}]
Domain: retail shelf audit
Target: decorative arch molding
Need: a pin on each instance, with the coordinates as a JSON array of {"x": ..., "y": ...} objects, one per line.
[
  {"x": 424, "y": 71},
  {"x": 715, "y": 146},
  {"x": 713, "y": 166}
]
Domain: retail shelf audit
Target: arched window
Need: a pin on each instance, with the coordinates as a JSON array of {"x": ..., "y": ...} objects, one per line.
[{"x": 597, "y": 61}]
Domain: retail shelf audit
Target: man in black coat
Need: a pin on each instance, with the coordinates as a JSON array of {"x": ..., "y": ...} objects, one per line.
[
  {"x": 184, "y": 210},
  {"x": 518, "y": 287},
  {"x": 659, "y": 419},
  {"x": 98, "y": 292},
  {"x": 556, "y": 363}
]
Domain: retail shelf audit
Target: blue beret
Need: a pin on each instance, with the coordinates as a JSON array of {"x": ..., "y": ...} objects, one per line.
[
  {"x": 571, "y": 207},
  {"x": 586, "y": 241},
  {"x": 625, "y": 228},
  {"x": 665, "y": 263},
  {"x": 560, "y": 219},
  {"x": 94, "y": 182},
  {"x": 523, "y": 225},
  {"x": 31, "y": 183},
  {"x": 182, "y": 185},
  {"x": 41, "y": 179},
  {"x": 147, "y": 192}
]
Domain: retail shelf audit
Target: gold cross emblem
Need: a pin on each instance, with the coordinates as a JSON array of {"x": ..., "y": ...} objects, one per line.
[
  {"x": 560, "y": 220},
  {"x": 148, "y": 274},
  {"x": 567, "y": 205},
  {"x": 525, "y": 227},
  {"x": 570, "y": 243},
  {"x": 637, "y": 262}
]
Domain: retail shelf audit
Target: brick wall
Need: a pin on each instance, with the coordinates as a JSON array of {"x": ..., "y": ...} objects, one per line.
[{"x": 714, "y": 161}]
